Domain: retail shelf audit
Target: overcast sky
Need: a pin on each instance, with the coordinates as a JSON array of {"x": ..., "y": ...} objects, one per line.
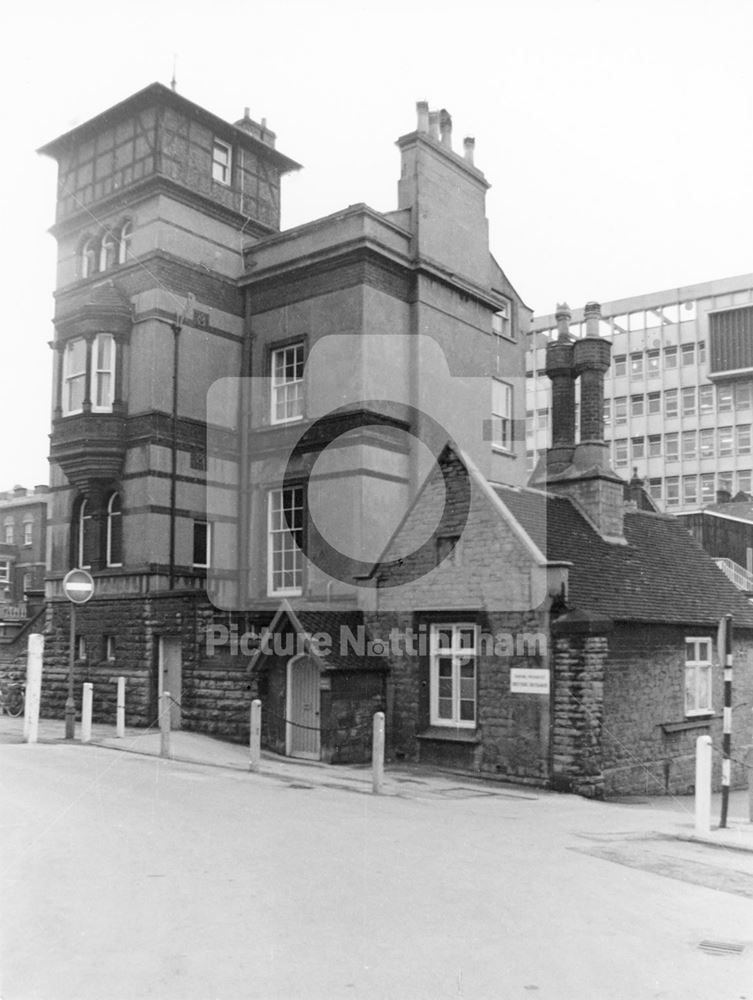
[{"x": 618, "y": 137}]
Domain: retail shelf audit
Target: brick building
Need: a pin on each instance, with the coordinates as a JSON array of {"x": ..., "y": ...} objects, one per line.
[
  {"x": 569, "y": 636},
  {"x": 205, "y": 365},
  {"x": 23, "y": 537}
]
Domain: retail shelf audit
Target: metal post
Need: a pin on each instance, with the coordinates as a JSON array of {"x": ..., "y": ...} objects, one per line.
[
  {"x": 33, "y": 687},
  {"x": 86, "y": 713},
  {"x": 120, "y": 709},
  {"x": 377, "y": 754},
  {"x": 164, "y": 724},
  {"x": 70, "y": 704},
  {"x": 727, "y": 721},
  {"x": 254, "y": 738},
  {"x": 703, "y": 784}
]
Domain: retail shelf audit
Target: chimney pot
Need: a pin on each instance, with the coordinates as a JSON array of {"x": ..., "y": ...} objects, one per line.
[
  {"x": 247, "y": 112},
  {"x": 422, "y": 114},
  {"x": 563, "y": 315},
  {"x": 445, "y": 128},
  {"x": 592, "y": 315},
  {"x": 469, "y": 145},
  {"x": 434, "y": 125}
]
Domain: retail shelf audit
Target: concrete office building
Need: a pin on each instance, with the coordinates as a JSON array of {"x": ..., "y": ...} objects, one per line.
[{"x": 678, "y": 404}]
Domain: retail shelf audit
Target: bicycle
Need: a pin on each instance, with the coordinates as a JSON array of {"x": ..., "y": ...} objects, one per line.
[{"x": 12, "y": 699}]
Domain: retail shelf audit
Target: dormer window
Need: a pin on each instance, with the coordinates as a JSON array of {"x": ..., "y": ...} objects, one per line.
[{"x": 221, "y": 161}]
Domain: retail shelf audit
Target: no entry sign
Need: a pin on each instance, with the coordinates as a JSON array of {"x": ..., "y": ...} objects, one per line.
[{"x": 78, "y": 586}]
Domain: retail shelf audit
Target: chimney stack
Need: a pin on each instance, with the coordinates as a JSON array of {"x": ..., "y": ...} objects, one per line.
[
  {"x": 559, "y": 368},
  {"x": 434, "y": 125},
  {"x": 469, "y": 145},
  {"x": 422, "y": 113},
  {"x": 445, "y": 128}
]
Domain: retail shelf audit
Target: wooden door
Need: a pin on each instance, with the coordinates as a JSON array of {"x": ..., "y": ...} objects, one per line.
[
  {"x": 302, "y": 730},
  {"x": 170, "y": 673}
]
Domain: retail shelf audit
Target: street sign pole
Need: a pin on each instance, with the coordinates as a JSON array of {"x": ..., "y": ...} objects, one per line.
[
  {"x": 78, "y": 587},
  {"x": 70, "y": 705}
]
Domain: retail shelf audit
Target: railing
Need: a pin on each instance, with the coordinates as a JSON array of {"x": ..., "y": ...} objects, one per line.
[{"x": 741, "y": 578}]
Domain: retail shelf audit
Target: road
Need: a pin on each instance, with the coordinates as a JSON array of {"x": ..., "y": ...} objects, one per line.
[{"x": 127, "y": 877}]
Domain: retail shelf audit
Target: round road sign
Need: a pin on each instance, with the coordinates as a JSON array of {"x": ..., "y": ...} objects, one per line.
[{"x": 78, "y": 586}]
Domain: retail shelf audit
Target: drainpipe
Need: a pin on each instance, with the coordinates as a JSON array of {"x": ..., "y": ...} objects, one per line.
[{"x": 176, "y": 328}]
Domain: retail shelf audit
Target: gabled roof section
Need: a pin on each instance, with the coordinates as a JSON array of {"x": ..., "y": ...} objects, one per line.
[{"x": 661, "y": 575}]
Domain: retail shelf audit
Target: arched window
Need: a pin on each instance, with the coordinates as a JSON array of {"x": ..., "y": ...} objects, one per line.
[
  {"x": 124, "y": 244},
  {"x": 114, "y": 531},
  {"x": 84, "y": 540},
  {"x": 89, "y": 258},
  {"x": 107, "y": 252}
]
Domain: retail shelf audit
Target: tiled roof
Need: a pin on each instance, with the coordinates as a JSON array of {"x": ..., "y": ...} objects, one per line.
[
  {"x": 661, "y": 575},
  {"x": 343, "y": 628}
]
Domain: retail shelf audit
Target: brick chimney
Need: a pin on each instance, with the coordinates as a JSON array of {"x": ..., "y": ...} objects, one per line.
[{"x": 581, "y": 470}]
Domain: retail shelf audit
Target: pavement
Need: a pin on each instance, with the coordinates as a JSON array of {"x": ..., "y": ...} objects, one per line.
[{"x": 666, "y": 817}]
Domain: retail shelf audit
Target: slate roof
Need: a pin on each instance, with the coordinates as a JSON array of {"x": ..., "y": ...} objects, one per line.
[
  {"x": 343, "y": 655},
  {"x": 661, "y": 575}
]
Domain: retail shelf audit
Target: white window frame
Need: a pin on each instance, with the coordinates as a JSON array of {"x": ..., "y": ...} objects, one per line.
[
  {"x": 502, "y": 410},
  {"x": 4, "y": 570},
  {"x": 28, "y": 532},
  {"x": 286, "y": 391},
  {"x": 70, "y": 376},
  {"x": 110, "y": 516},
  {"x": 456, "y": 653},
  {"x": 694, "y": 665},
  {"x": 501, "y": 326},
  {"x": 8, "y": 532},
  {"x": 97, "y": 372},
  {"x": 222, "y": 169},
  {"x": 281, "y": 543}
]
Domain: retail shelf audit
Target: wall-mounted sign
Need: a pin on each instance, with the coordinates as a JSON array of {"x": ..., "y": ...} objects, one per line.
[{"x": 525, "y": 680}]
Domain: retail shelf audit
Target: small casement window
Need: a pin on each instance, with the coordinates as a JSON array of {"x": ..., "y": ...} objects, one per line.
[
  {"x": 201, "y": 544},
  {"x": 501, "y": 326},
  {"x": 28, "y": 532},
  {"x": 287, "y": 384},
  {"x": 108, "y": 252},
  {"x": 285, "y": 541},
  {"x": 84, "y": 540},
  {"x": 103, "y": 373},
  {"x": 81, "y": 648},
  {"x": 28, "y": 583},
  {"x": 501, "y": 415},
  {"x": 74, "y": 376},
  {"x": 670, "y": 403},
  {"x": 221, "y": 161},
  {"x": 620, "y": 410},
  {"x": 453, "y": 660},
  {"x": 110, "y": 647},
  {"x": 698, "y": 676},
  {"x": 114, "y": 531},
  {"x": 8, "y": 532},
  {"x": 620, "y": 365},
  {"x": 4, "y": 571},
  {"x": 124, "y": 242},
  {"x": 89, "y": 257}
]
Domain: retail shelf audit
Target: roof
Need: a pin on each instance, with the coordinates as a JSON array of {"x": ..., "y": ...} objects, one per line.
[
  {"x": 158, "y": 93},
  {"x": 661, "y": 575}
]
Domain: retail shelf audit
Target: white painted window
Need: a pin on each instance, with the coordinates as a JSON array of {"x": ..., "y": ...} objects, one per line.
[
  {"x": 28, "y": 532},
  {"x": 8, "y": 532},
  {"x": 697, "y": 676},
  {"x": 453, "y": 658},
  {"x": 501, "y": 326},
  {"x": 287, "y": 384},
  {"x": 285, "y": 541},
  {"x": 4, "y": 571},
  {"x": 501, "y": 414},
  {"x": 221, "y": 161},
  {"x": 103, "y": 373},
  {"x": 74, "y": 376}
]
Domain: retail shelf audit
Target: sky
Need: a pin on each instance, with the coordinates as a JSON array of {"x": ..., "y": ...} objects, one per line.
[{"x": 616, "y": 135}]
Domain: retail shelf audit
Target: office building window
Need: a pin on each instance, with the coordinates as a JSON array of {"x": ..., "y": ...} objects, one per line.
[
  {"x": 688, "y": 355},
  {"x": 671, "y": 447},
  {"x": 670, "y": 403},
  {"x": 706, "y": 441},
  {"x": 655, "y": 489},
  {"x": 707, "y": 487},
  {"x": 697, "y": 676},
  {"x": 4, "y": 571},
  {"x": 529, "y": 421},
  {"x": 621, "y": 452},
  {"x": 89, "y": 257},
  {"x": 221, "y": 162},
  {"x": 742, "y": 434},
  {"x": 701, "y": 352},
  {"x": 501, "y": 415},
  {"x": 673, "y": 490},
  {"x": 638, "y": 447},
  {"x": 620, "y": 365},
  {"x": 287, "y": 384},
  {"x": 744, "y": 480},
  {"x": 724, "y": 398},
  {"x": 285, "y": 541},
  {"x": 620, "y": 410},
  {"x": 706, "y": 399},
  {"x": 724, "y": 481},
  {"x": 453, "y": 675},
  {"x": 725, "y": 442},
  {"x": 607, "y": 411},
  {"x": 653, "y": 363},
  {"x": 690, "y": 489},
  {"x": 742, "y": 395},
  {"x": 670, "y": 358},
  {"x": 636, "y": 365},
  {"x": 542, "y": 419},
  {"x": 689, "y": 442},
  {"x": 688, "y": 401},
  {"x": 636, "y": 406},
  {"x": 654, "y": 445},
  {"x": 654, "y": 402}
]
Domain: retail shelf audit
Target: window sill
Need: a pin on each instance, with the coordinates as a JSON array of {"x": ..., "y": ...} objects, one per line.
[
  {"x": 692, "y": 722},
  {"x": 449, "y": 734},
  {"x": 499, "y": 449}
]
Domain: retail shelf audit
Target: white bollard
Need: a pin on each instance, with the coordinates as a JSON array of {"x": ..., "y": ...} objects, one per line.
[
  {"x": 703, "y": 784},
  {"x": 86, "y": 713},
  {"x": 33, "y": 687},
  {"x": 120, "y": 709},
  {"x": 164, "y": 724},
  {"x": 254, "y": 736},
  {"x": 377, "y": 754}
]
